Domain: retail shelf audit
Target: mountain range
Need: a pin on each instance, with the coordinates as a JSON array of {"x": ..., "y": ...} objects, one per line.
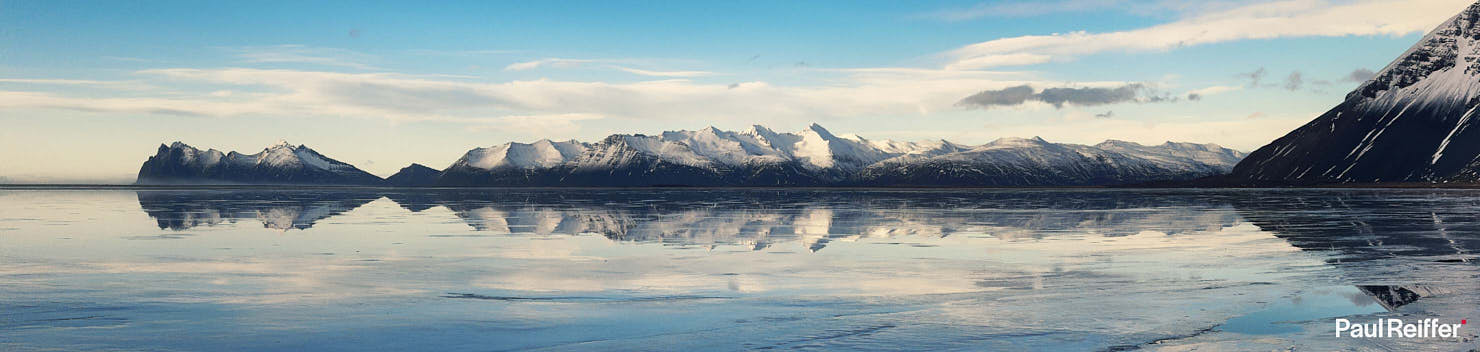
[
  {"x": 280, "y": 163},
  {"x": 711, "y": 157}
]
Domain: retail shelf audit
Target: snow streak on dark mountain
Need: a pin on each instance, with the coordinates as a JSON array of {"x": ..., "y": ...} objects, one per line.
[
  {"x": 282, "y": 163},
  {"x": 1412, "y": 122}
]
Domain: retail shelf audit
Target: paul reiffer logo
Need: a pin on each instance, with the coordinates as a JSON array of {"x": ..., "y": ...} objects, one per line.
[{"x": 1391, "y": 328}]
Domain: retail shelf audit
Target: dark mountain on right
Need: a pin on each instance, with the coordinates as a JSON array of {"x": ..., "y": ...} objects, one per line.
[{"x": 1412, "y": 122}]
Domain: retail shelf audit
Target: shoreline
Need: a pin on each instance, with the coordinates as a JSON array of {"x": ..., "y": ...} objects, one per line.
[{"x": 1355, "y": 186}]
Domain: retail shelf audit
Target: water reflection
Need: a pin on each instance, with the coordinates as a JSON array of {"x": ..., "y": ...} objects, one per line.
[
  {"x": 1392, "y": 297},
  {"x": 182, "y": 210},
  {"x": 1352, "y": 227},
  {"x": 753, "y": 218},
  {"x": 1358, "y": 225},
  {"x": 1368, "y": 225},
  {"x": 971, "y": 269},
  {"x": 1400, "y": 246}
]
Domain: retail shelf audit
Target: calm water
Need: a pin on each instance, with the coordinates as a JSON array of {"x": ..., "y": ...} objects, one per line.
[{"x": 492, "y": 270}]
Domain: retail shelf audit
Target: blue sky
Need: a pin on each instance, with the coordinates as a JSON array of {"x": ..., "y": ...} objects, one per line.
[{"x": 89, "y": 89}]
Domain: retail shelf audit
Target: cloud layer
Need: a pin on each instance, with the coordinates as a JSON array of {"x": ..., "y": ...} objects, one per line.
[
  {"x": 399, "y": 97},
  {"x": 1292, "y": 18}
]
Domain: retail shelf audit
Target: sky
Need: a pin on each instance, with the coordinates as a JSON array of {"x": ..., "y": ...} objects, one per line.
[{"x": 89, "y": 89}]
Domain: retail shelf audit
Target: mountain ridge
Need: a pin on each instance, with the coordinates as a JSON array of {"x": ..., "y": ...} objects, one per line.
[
  {"x": 281, "y": 163},
  {"x": 710, "y": 157},
  {"x": 1411, "y": 122},
  {"x": 814, "y": 156}
]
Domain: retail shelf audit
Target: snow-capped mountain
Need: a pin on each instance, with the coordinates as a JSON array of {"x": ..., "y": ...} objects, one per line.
[
  {"x": 1036, "y": 162},
  {"x": 1412, "y": 122},
  {"x": 281, "y": 163},
  {"x": 816, "y": 157},
  {"x": 1201, "y": 158}
]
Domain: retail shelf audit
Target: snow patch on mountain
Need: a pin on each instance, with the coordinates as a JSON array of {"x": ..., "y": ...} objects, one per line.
[{"x": 540, "y": 154}]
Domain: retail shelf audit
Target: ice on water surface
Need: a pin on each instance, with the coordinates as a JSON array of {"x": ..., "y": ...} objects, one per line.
[{"x": 692, "y": 269}]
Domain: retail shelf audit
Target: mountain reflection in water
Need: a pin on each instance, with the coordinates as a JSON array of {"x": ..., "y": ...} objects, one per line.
[
  {"x": 182, "y": 210},
  {"x": 755, "y": 218},
  {"x": 1019, "y": 255},
  {"x": 1404, "y": 246},
  {"x": 1358, "y": 225}
]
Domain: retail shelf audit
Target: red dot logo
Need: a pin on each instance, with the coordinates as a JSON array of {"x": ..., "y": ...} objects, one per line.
[{"x": 1463, "y": 321}]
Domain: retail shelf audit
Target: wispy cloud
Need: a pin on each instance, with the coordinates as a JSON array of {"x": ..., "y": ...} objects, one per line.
[
  {"x": 78, "y": 84},
  {"x": 1199, "y": 94},
  {"x": 68, "y": 82},
  {"x": 1359, "y": 75},
  {"x": 1214, "y": 90},
  {"x": 138, "y": 105},
  {"x": 620, "y": 65},
  {"x": 539, "y": 125},
  {"x": 433, "y": 98},
  {"x": 1294, "y": 81},
  {"x": 129, "y": 59},
  {"x": 1018, "y": 9},
  {"x": 299, "y": 54},
  {"x": 1027, "y": 8},
  {"x": 1292, "y": 18},
  {"x": 464, "y": 53},
  {"x": 663, "y": 73},
  {"x": 550, "y": 62},
  {"x": 1255, "y": 77},
  {"x": 1000, "y": 60}
]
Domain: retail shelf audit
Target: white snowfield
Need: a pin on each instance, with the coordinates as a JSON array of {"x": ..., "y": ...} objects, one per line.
[{"x": 816, "y": 148}]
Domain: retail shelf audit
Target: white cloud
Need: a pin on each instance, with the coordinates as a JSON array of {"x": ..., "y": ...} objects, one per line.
[
  {"x": 140, "y": 105},
  {"x": 1013, "y": 59},
  {"x": 1293, "y": 18},
  {"x": 612, "y": 64},
  {"x": 534, "y": 125},
  {"x": 1198, "y": 94},
  {"x": 299, "y": 54},
  {"x": 1030, "y": 8},
  {"x": 1213, "y": 90},
  {"x": 1078, "y": 126},
  {"x": 664, "y": 73},
  {"x": 416, "y": 98},
  {"x": 80, "y": 84},
  {"x": 68, "y": 82},
  {"x": 464, "y": 53},
  {"x": 553, "y": 107},
  {"x": 551, "y": 62}
]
